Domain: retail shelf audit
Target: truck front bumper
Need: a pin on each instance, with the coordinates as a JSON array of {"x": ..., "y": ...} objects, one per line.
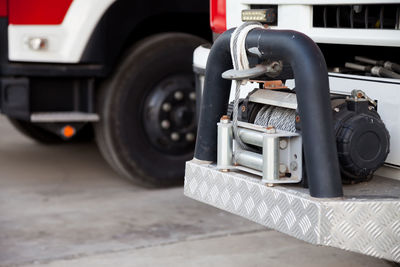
[{"x": 366, "y": 220}]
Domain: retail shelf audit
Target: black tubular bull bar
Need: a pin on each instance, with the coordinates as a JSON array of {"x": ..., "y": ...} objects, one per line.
[{"x": 312, "y": 88}]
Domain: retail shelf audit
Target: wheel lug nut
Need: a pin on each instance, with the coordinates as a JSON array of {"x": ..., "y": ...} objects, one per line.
[
  {"x": 175, "y": 136},
  {"x": 166, "y": 107},
  {"x": 189, "y": 137},
  {"x": 178, "y": 95},
  {"x": 192, "y": 96},
  {"x": 165, "y": 124}
]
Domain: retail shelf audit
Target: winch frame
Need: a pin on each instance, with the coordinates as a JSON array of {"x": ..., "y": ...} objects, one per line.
[{"x": 279, "y": 162}]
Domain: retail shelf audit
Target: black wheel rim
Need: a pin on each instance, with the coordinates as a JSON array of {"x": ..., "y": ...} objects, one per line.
[{"x": 169, "y": 116}]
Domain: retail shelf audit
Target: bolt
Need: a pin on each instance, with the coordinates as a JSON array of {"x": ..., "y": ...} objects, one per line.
[
  {"x": 178, "y": 95},
  {"x": 283, "y": 144},
  {"x": 189, "y": 137},
  {"x": 192, "y": 96},
  {"x": 336, "y": 109},
  {"x": 166, "y": 107},
  {"x": 282, "y": 168},
  {"x": 293, "y": 165},
  {"x": 165, "y": 124},
  {"x": 224, "y": 119},
  {"x": 175, "y": 136},
  {"x": 271, "y": 130}
]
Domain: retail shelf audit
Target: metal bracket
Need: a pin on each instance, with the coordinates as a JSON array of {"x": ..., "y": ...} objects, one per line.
[
  {"x": 258, "y": 70},
  {"x": 279, "y": 162}
]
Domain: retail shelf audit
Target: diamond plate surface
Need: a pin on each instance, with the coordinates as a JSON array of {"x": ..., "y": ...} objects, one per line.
[{"x": 364, "y": 225}]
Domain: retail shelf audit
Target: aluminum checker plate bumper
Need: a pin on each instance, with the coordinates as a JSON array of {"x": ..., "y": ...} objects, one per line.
[{"x": 366, "y": 220}]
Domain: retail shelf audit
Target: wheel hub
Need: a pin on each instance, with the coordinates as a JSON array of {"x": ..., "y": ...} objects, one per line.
[
  {"x": 183, "y": 116},
  {"x": 169, "y": 115}
]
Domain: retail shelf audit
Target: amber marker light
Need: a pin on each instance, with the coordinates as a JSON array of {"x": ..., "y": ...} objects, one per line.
[{"x": 68, "y": 131}]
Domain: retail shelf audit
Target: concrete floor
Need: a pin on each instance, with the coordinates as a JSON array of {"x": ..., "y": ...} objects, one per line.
[{"x": 63, "y": 206}]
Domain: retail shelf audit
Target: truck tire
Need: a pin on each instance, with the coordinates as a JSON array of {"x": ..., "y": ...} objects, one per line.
[
  {"x": 147, "y": 121},
  {"x": 43, "y": 136}
]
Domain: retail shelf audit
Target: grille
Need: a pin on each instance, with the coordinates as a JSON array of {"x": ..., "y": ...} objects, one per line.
[{"x": 357, "y": 16}]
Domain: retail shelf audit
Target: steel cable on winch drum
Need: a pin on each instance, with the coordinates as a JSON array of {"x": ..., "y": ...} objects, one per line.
[
  {"x": 240, "y": 62},
  {"x": 280, "y": 118}
]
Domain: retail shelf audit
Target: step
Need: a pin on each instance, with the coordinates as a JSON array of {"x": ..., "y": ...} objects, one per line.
[
  {"x": 74, "y": 116},
  {"x": 366, "y": 220}
]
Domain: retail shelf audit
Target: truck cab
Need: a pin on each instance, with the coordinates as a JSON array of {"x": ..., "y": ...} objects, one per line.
[{"x": 118, "y": 71}]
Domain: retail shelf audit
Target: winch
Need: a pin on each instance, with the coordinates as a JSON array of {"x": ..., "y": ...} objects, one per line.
[
  {"x": 269, "y": 125},
  {"x": 304, "y": 134},
  {"x": 265, "y": 134}
]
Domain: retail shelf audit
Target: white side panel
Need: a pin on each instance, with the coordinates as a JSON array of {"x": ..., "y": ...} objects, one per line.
[
  {"x": 66, "y": 42},
  {"x": 355, "y": 36},
  {"x": 234, "y": 13},
  {"x": 200, "y": 56},
  {"x": 297, "y": 15}
]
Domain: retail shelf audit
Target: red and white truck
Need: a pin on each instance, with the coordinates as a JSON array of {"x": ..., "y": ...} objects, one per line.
[
  {"x": 299, "y": 120},
  {"x": 121, "y": 67}
]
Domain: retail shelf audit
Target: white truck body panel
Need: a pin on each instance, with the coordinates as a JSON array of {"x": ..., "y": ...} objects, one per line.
[
  {"x": 65, "y": 42},
  {"x": 298, "y": 15}
]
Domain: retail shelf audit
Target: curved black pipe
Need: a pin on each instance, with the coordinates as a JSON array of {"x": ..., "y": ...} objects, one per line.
[{"x": 312, "y": 87}]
